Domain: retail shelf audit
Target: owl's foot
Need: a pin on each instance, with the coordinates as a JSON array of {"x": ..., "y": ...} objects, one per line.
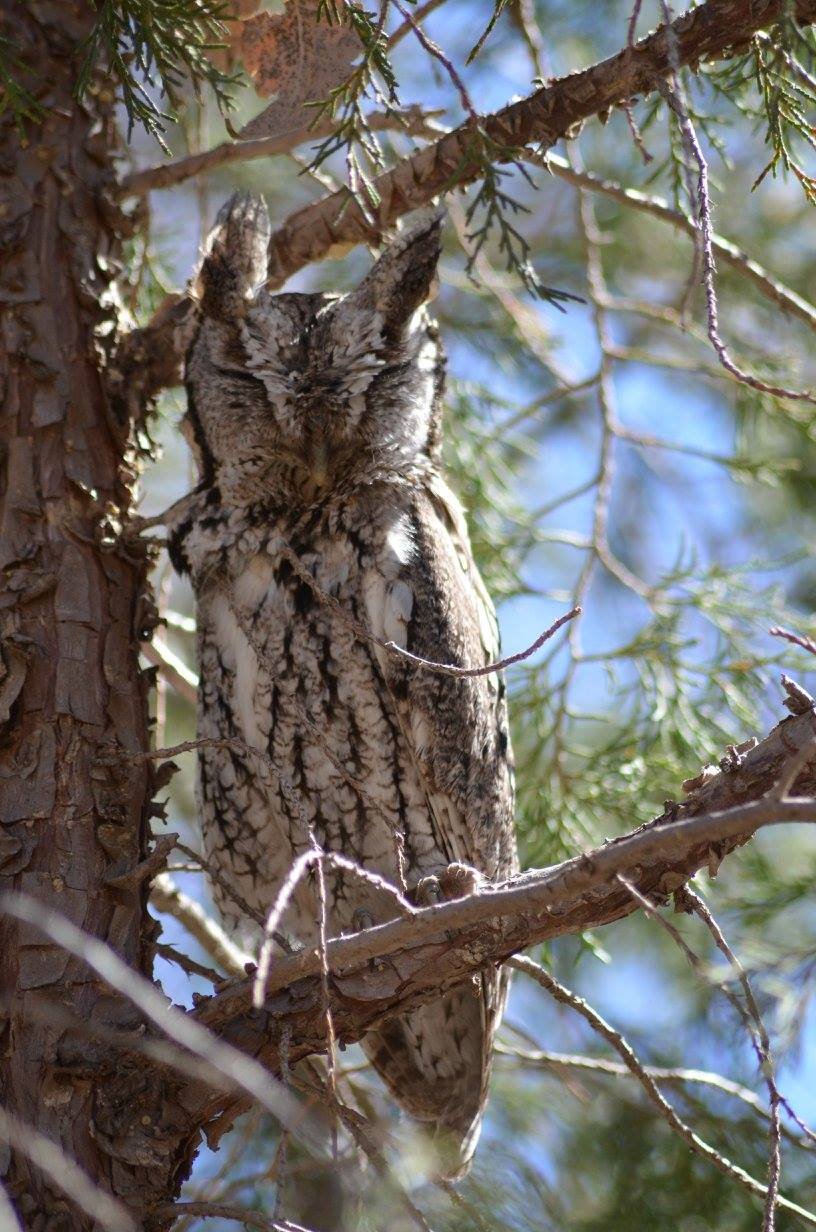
[{"x": 455, "y": 881}]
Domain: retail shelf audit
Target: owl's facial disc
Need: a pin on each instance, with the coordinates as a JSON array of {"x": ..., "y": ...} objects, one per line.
[{"x": 302, "y": 391}]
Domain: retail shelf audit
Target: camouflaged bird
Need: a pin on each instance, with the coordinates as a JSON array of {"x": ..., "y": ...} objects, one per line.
[{"x": 316, "y": 423}]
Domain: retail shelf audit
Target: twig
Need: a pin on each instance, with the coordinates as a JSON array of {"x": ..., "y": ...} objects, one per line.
[
  {"x": 166, "y": 897},
  {"x": 436, "y": 52},
  {"x": 673, "y": 1075},
  {"x": 55, "y": 1163},
  {"x": 653, "y": 1092},
  {"x": 444, "y": 669},
  {"x": 762, "y": 1044},
  {"x": 771, "y": 287},
  {"x": 173, "y": 669},
  {"x": 637, "y": 135},
  {"x": 753, "y": 1023},
  {"x": 243, "y": 1071},
  {"x": 413, "y": 120},
  {"x": 705, "y": 228},
  {"x": 797, "y": 639},
  {"x": 188, "y": 964},
  {"x": 298, "y": 869},
  {"x": 219, "y": 1210}
]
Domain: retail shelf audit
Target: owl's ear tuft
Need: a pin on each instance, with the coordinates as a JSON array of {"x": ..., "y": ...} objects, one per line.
[
  {"x": 235, "y": 257},
  {"x": 404, "y": 275}
]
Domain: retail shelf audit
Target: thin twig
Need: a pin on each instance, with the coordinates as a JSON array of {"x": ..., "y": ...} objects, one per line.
[
  {"x": 673, "y": 1075},
  {"x": 414, "y": 120},
  {"x": 756, "y": 1031},
  {"x": 650, "y": 1087},
  {"x": 628, "y": 109},
  {"x": 771, "y": 287},
  {"x": 706, "y": 229},
  {"x": 167, "y": 898},
  {"x": 444, "y": 669},
  {"x": 763, "y": 1048},
  {"x": 797, "y": 639}
]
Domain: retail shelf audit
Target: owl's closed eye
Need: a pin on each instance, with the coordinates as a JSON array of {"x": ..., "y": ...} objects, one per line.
[{"x": 290, "y": 395}]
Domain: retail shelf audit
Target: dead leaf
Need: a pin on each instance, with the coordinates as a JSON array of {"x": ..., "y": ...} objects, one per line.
[{"x": 298, "y": 59}]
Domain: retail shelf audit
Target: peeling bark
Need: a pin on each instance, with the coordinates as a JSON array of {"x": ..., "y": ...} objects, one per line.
[
  {"x": 157, "y": 1115},
  {"x": 73, "y": 608},
  {"x": 71, "y": 603}
]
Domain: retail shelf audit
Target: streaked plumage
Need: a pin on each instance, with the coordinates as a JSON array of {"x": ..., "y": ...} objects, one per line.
[{"x": 316, "y": 423}]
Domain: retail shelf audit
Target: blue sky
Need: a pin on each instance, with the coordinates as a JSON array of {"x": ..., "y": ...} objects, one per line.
[{"x": 700, "y": 506}]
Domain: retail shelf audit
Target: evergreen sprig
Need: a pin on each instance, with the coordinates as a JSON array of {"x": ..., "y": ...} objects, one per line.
[{"x": 150, "y": 45}]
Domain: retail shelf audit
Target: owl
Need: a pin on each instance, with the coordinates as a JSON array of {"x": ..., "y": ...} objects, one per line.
[{"x": 316, "y": 425}]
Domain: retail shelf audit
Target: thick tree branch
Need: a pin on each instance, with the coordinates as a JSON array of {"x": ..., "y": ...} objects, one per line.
[
  {"x": 149, "y": 359},
  {"x": 714, "y": 29},
  {"x": 406, "y": 962}
]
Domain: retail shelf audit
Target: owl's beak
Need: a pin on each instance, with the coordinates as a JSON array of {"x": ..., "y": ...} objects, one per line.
[{"x": 319, "y": 459}]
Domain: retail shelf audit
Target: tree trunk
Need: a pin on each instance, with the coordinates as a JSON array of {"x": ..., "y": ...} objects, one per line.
[{"x": 72, "y": 602}]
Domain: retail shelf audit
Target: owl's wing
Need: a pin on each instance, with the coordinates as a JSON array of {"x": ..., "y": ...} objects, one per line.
[{"x": 428, "y": 597}]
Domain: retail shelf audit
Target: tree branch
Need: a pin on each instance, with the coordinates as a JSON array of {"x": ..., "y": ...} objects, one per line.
[
  {"x": 427, "y": 953},
  {"x": 771, "y": 287},
  {"x": 413, "y": 120},
  {"x": 713, "y": 29},
  {"x": 149, "y": 359}
]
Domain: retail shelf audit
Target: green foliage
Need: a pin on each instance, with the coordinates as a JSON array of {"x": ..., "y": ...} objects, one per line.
[
  {"x": 157, "y": 43},
  {"x": 491, "y": 208},
  {"x": 683, "y": 550},
  {"x": 372, "y": 79}
]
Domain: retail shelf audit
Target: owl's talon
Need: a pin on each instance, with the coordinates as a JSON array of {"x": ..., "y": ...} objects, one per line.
[
  {"x": 428, "y": 892},
  {"x": 456, "y": 881}
]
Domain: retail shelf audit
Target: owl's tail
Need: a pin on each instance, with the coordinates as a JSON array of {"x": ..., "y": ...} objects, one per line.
[{"x": 436, "y": 1063}]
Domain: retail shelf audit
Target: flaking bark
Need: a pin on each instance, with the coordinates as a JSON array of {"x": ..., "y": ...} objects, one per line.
[{"x": 71, "y": 607}]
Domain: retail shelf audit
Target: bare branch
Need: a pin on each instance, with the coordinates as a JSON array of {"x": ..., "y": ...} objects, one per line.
[
  {"x": 653, "y": 1092},
  {"x": 796, "y": 639},
  {"x": 165, "y": 896},
  {"x": 704, "y": 233},
  {"x": 542, "y": 1059},
  {"x": 432, "y": 951},
  {"x": 770, "y": 286},
  {"x": 444, "y": 669},
  {"x": 543, "y": 117},
  {"x": 413, "y": 120}
]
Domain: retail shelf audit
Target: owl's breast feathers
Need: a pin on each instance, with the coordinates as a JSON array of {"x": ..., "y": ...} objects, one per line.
[{"x": 368, "y": 751}]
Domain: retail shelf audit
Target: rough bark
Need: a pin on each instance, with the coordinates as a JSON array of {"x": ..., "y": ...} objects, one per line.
[
  {"x": 71, "y": 605},
  {"x": 406, "y": 962},
  {"x": 73, "y": 818}
]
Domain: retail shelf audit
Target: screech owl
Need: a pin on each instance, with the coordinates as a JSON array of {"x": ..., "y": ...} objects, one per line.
[{"x": 316, "y": 424}]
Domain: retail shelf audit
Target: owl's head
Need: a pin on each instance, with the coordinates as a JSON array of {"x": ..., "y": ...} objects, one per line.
[{"x": 293, "y": 396}]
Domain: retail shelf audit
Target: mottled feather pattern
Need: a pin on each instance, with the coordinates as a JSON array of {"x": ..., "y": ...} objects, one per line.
[{"x": 316, "y": 424}]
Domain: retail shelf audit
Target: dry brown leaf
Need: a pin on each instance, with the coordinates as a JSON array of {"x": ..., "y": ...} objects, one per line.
[
  {"x": 295, "y": 57},
  {"x": 226, "y": 57}
]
